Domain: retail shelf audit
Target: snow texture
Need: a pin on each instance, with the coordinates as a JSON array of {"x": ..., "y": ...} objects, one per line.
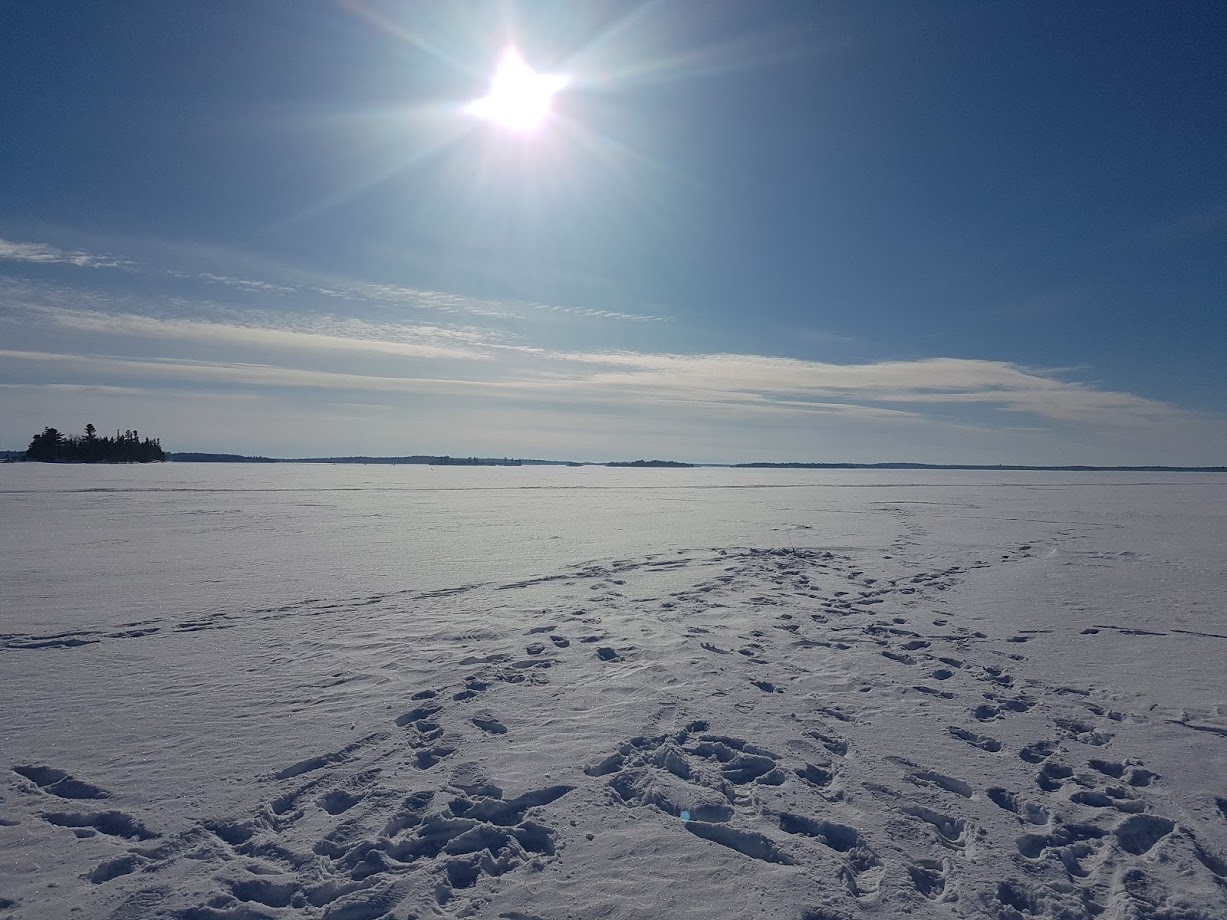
[{"x": 242, "y": 692}]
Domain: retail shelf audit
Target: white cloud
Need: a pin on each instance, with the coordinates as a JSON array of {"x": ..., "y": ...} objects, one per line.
[
  {"x": 319, "y": 334},
  {"x": 951, "y": 390},
  {"x": 11, "y": 251},
  {"x": 933, "y": 382},
  {"x": 474, "y": 306},
  {"x": 73, "y": 388},
  {"x": 187, "y": 371},
  {"x": 247, "y": 284},
  {"x": 353, "y": 292}
]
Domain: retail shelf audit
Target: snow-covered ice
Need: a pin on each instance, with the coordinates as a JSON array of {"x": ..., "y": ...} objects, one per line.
[{"x": 235, "y": 692}]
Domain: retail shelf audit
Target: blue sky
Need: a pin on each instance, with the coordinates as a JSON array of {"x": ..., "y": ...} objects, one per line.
[{"x": 940, "y": 231}]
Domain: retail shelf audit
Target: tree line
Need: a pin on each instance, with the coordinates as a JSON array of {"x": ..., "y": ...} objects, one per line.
[{"x": 53, "y": 446}]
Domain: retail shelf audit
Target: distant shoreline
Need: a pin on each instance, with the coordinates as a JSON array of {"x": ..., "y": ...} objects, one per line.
[
  {"x": 995, "y": 467},
  {"x": 432, "y": 460}
]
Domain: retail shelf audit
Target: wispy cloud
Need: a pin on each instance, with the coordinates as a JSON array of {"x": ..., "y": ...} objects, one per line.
[
  {"x": 308, "y": 348},
  {"x": 602, "y": 314},
  {"x": 244, "y": 284},
  {"x": 305, "y": 335},
  {"x": 184, "y": 370},
  {"x": 933, "y": 382},
  {"x": 950, "y": 389},
  {"x": 430, "y": 351},
  {"x": 453, "y": 303},
  {"x": 74, "y": 388},
  {"x": 12, "y": 251},
  {"x": 350, "y": 291}
]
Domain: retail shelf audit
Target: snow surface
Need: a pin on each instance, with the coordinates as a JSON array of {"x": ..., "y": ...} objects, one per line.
[{"x": 355, "y": 692}]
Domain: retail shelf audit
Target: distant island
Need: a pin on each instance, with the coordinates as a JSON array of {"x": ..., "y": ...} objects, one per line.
[
  {"x": 52, "y": 446},
  {"x": 431, "y": 460},
  {"x": 646, "y": 463}
]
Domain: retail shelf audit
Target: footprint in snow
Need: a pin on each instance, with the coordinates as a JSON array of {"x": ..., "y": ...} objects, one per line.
[{"x": 488, "y": 723}]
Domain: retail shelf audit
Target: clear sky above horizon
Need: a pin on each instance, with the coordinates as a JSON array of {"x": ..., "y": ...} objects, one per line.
[{"x": 949, "y": 231}]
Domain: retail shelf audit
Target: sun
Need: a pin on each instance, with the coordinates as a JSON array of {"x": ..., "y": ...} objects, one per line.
[{"x": 519, "y": 99}]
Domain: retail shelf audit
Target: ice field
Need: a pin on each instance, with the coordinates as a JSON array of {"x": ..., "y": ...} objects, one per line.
[{"x": 231, "y": 692}]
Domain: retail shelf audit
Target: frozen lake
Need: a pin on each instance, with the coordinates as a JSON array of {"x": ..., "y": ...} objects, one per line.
[{"x": 245, "y": 691}]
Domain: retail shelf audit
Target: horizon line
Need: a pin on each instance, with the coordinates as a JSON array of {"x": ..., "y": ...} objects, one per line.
[{"x": 474, "y": 460}]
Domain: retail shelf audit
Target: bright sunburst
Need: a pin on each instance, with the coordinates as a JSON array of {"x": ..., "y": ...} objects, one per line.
[{"x": 519, "y": 98}]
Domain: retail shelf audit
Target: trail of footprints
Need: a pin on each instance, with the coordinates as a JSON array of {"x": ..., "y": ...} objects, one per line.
[
  {"x": 344, "y": 838},
  {"x": 711, "y": 782},
  {"x": 310, "y": 607},
  {"x": 1078, "y": 839}
]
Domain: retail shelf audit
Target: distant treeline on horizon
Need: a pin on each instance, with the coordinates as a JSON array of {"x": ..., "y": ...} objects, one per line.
[
  {"x": 127, "y": 447},
  {"x": 990, "y": 467},
  {"x": 674, "y": 464}
]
